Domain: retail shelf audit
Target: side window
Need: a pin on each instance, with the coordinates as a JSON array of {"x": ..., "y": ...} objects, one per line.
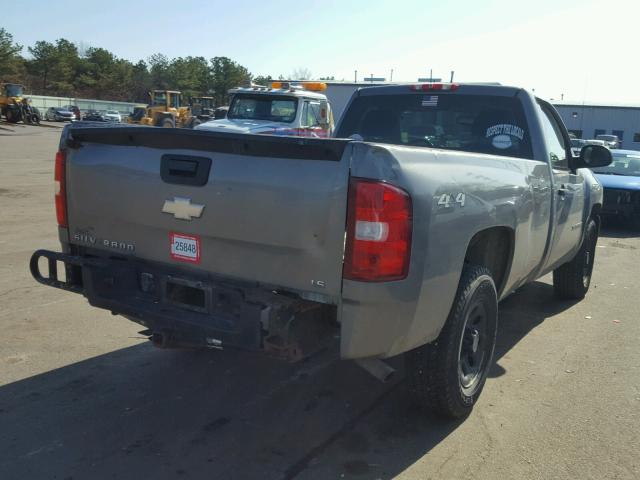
[
  {"x": 554, "y": 140},
  {"x": 577, "y": 133},
  {"x": 311, "y": 114},
  {"x": 314, "y": 114}
]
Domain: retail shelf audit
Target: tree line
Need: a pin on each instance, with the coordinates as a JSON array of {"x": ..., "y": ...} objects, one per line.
[{"x": 63, "y": 68}]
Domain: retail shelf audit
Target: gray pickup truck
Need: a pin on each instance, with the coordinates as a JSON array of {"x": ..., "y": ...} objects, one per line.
[{"x": 399, "y": 236}]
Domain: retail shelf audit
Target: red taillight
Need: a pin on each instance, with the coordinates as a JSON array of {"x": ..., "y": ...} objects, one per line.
[
  {"x": 378, "y": 232},
  {"x": 428, "y": 87},
  {"x": 61, "y": 190}
]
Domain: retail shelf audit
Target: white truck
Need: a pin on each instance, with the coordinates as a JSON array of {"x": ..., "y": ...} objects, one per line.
[{"x": 298, "y": 110}]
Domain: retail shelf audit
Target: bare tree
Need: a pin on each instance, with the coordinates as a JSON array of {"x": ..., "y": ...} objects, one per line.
[{"x": 301, "y": 73}]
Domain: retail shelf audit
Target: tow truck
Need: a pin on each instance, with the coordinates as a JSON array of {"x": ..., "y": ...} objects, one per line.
[{"x": 284, "y": 108}]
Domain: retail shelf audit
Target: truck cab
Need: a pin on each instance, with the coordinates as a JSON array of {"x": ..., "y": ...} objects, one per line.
[{"x": 283, "y": 109}]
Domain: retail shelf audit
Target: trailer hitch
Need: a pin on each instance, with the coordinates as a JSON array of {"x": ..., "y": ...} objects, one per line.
[{"x": 72, "y": 264}]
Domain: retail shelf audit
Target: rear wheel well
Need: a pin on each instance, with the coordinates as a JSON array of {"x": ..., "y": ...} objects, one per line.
[{"x": 492, "y": 248}]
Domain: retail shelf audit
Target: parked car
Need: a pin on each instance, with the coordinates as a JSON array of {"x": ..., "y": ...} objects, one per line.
[
  {"x": 576, "y": 146},
  {"x": 94, "y": 116},
  {"x": 621, "y": 183},
  {"x": 59, "y": 114},
  {"x": 112, "y": 116},
  {"x": 611, "y": 141},
  {"x": 399, "y": 237},
  {"x": 593, "y": 141},
  {"x": 75, "y": 110}
]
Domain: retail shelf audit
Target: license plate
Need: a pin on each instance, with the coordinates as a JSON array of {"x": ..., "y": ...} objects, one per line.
[{"x": 185, "y": 248}]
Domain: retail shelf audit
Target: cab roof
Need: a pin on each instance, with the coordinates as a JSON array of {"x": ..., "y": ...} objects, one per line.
[
  {"x": 468, "y": 88},
  {"x": 295, "y": 92}
]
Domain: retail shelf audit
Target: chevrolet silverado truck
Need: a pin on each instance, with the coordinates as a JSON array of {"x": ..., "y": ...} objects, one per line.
[{"x": 400, "y": 236}]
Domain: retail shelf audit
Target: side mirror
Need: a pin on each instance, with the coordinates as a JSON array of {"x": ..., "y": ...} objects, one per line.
[{"x": 592, "y": 156}]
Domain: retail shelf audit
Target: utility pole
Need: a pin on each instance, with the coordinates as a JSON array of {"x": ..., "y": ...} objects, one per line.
[
  {"x": 431, "y": 74},
  {"x": 452, "y": 72},
  {"x": 355, "y": 76},
  {"x": 391, "y": 76}
]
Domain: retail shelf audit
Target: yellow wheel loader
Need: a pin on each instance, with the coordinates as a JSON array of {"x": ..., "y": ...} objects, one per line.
[
  {"x": 164, "y": 110},
  {"x": 15, "y": 107}
]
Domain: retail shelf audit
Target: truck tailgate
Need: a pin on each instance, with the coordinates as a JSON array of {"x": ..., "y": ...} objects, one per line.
[{"x": 274, "y": 208}]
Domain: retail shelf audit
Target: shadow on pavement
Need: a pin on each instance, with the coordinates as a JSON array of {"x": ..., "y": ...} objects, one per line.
[
  {"x": 396, "y": 436},
  {"x": 522, "y": 312},
  {"x": 146, "y": 413}
]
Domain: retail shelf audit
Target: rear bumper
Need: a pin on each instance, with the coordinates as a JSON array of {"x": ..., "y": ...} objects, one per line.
[{"x": 184, "y": 308}]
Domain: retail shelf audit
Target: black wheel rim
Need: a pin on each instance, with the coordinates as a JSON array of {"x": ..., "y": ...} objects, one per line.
[{"x": 473, "y": 347}]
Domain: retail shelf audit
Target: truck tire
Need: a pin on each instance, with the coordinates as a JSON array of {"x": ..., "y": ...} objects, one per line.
[
  {"x": 12, "y": 116},
  {"x": 571, "y": 280},
  {"x": 447, "y": 375},
  {"x": 166, "y": 123}
]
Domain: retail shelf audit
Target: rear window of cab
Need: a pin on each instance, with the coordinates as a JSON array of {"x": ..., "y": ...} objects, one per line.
[{"x": 493, "y": 125}]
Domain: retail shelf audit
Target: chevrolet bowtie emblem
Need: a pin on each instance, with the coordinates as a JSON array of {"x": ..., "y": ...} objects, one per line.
[{"x": 182, "y": 208}]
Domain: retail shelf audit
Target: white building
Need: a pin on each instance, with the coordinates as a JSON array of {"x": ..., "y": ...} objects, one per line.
[{"x": 589, "y": 120}]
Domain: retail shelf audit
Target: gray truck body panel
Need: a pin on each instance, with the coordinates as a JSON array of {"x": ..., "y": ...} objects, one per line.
[{"x": 279, "y": 220}]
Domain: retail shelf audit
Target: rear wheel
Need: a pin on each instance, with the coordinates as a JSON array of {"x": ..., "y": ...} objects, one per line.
[
  {"x": 447, "y": 376},
  {"x": 572, "y": 280},
  {"x": 167, "y": 123},
  {"x": 12, "y": 116},
  {"x": 195, "y": 122}
]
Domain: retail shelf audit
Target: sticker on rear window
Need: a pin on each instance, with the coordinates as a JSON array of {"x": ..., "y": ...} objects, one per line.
[
  {"x": 503, "y": 135},
  {"x": 430, "y": 101},
  {"x": 185, "y": 248},
  {"x": 505, "y": 129}
]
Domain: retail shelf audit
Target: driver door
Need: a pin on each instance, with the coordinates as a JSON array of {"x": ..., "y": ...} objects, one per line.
[{"x": 568, "y": 200}]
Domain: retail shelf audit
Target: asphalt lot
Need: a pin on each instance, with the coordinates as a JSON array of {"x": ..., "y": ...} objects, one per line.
[{"x": 83, "y": 396}]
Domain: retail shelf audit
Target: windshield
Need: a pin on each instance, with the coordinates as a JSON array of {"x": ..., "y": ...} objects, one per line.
[
  {"x": 13, "y": 90},
  {"x": 577, "y": 143},
  {"x": 263, "y": 107},
  {"x": 159, "y": 98},
  {"x": 623, "y": 164},
  {"x": 606, "y": 138},
  {"x": 473, "y": 123},
  {"x": 112, "y": 112}
]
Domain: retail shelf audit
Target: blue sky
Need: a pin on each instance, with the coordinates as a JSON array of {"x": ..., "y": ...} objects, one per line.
[{"x": 583, "y": 49}]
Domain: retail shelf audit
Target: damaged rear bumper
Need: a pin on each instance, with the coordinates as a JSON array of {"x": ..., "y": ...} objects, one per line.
[{"x": 192, "y": 309}]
